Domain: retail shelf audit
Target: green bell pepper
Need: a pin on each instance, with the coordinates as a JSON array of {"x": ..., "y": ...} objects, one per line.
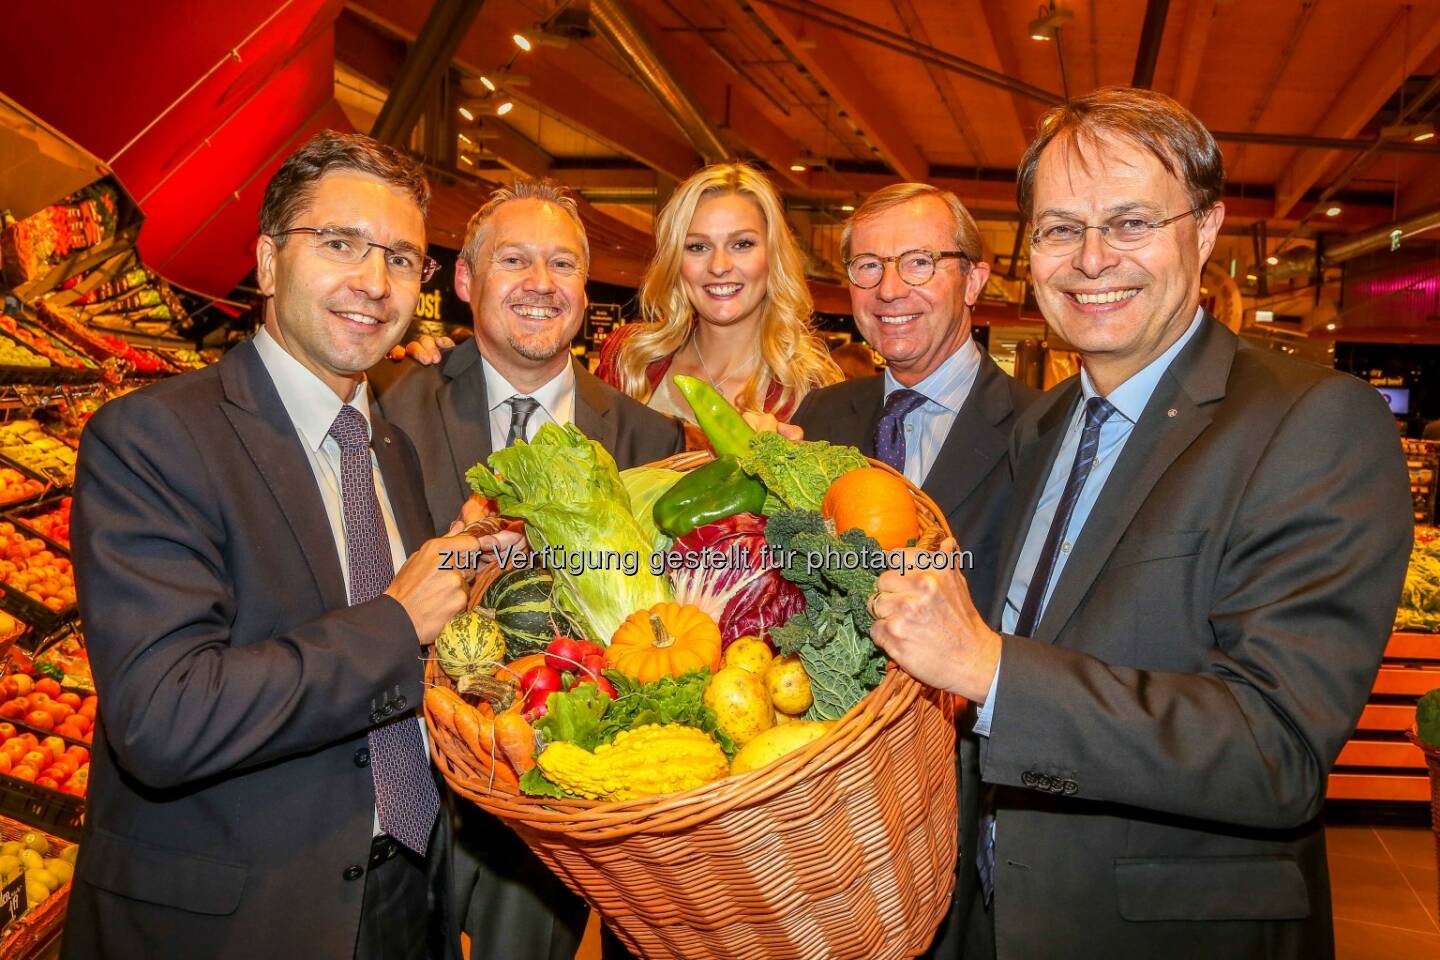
[
  {"x": 707, "y": 494},
  {"x": 729, "y": 434}
]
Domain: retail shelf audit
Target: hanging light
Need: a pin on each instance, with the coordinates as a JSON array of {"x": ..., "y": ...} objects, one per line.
[
  {"x": 489, "y": 84},
  {"x": 504, "y": 108},
  {"x": 522, "y": 41},
  {"x": 465, "y": 112}
]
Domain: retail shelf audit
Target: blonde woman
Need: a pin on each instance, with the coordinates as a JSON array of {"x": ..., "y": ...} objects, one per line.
[{"x": 724, "y": 300}]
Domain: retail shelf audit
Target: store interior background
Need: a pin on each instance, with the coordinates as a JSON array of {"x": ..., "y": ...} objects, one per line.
[{"x": 1326, "y": 111}]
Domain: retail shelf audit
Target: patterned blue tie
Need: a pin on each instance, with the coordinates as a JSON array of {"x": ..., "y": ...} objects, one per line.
[
  {"x": 405, "y": 793},
  {"x": 890, "y": 428},
  {"x": 1097, "y": 411}
]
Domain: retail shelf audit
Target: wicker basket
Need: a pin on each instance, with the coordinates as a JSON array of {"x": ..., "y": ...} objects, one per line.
[
  {"x": 33, "y": 932},
  {"x": 843, "y": 849},
  {"x": 1432, "y": 760}
]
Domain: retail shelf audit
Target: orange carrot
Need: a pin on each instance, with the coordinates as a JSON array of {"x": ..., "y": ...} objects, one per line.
[
  {"x": 440, "y": 707},
  {"x": 516, "y": 739}
]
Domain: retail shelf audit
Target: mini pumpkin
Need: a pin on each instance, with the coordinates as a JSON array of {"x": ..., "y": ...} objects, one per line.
[
  {"x": 667, "y": 640},
  {"x": 878, "y": 502}
]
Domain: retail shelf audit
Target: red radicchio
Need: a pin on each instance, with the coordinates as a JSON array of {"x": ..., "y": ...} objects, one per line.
[{"x": 742, "y": 593}]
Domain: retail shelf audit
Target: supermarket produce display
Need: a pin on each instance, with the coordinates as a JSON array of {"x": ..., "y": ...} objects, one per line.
[{"x": 74, "y": 292}]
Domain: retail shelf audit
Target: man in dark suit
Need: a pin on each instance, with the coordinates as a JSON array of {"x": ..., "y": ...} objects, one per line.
[
  {"x": 522, "y": 270},
  {"x": 943, "y": 411},
  {"x": 261, "y": 787},
  {"x": 1200, "y": 572}
]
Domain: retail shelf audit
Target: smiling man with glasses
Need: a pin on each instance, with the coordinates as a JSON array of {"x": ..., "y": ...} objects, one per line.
[
  {"x": 259, "y": 579},
  {"x": 1198, "y": 581}
]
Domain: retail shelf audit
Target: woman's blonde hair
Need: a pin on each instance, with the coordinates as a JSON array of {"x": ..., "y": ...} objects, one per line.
[{"x": 790, "y": 353}]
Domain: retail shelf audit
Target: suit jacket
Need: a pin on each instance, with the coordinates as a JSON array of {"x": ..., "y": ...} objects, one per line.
[
  {"x": 444, "y": 410},
  {"x": 1159, "y": 748},
  {"x": 970, "y": 479},
  {"x": 229, "y": 774}
]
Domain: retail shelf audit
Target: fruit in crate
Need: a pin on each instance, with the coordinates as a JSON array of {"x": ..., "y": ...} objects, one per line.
[
  {"x": 26, "y": 442},
  {"x": 28, "y": 565},
  {"x": 46, "y": 867},
  {"x": 52, "y": 763},
  {"x": 15, "y": 486},
  {"x": 54, "y": 524},
  {"x": 13, "y": 354}
]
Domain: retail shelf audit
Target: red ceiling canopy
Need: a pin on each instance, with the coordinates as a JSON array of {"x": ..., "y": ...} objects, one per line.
[{"x": 193, "y": 107}]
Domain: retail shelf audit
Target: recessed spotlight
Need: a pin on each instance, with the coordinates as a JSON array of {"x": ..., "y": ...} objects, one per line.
[
  {"x": 1332, "y": 212},
  {"x": 504, "y": 108},
  {"x": 522, "y": 41},
  {"x": 465, "y": 112}
]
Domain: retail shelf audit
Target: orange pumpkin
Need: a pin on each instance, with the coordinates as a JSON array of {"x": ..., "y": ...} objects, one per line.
[
  {"x": 878, "y": 502},
  {"x": 667, "y": 640}
]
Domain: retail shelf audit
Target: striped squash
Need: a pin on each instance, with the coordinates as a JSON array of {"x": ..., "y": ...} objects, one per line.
[{"x": 523, "y": 604}]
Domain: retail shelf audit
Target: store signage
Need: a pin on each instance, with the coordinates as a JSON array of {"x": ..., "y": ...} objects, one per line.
[
  {"x": 12, "y": 901},
  {"x": 1390, "y": 381},
  {"x": 600, "y": 319},
  {"x": 439, "y": 308}
]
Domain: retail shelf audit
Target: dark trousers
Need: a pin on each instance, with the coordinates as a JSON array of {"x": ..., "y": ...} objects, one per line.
[{"x": 394, "y": 916}]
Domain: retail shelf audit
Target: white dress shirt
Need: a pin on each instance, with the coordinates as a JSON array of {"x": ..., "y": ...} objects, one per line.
[
  {"x": 312, "y": 407},
  {"x": 945, "y": 389},
  {"x": 556, "y": 399}
]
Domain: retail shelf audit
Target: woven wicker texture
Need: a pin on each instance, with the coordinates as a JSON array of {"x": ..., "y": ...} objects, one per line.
[
  {"x": 844, "y": 849},
  {"x": 1432, "y": 760},
  {"x": 28, "y": 936}
]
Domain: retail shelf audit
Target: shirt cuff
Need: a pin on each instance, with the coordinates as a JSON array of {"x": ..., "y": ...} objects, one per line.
[{"x": 982, "y": 718}]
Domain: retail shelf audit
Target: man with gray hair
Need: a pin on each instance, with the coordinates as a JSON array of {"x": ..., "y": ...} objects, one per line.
[{"x": 523, "y": 271}]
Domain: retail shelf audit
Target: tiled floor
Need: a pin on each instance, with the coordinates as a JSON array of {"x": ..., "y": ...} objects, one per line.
[{"x": 1382, "y": 879}]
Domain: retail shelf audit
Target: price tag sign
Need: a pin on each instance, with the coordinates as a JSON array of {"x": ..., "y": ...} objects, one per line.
[{"x": 12, "y": 901}]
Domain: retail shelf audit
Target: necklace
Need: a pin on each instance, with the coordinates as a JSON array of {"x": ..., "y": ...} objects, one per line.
[{"x": 719, "y": 385}]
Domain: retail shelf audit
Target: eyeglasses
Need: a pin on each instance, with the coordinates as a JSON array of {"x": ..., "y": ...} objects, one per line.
[
  {"x": 916, "y": 267},
  {"x": 348, "y": 246},
  {"x": 1123, "y": 232}
]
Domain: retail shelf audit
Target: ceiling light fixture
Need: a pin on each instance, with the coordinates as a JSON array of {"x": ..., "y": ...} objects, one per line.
[
  {"x": 504, "y": 108},
  {"x": 522, "y": 42},
  {"x": 1272, "y": 260},
  {"x": 797, "y": 167},
  {"x": 848, "y": 207},
  {"x": 468, "y": 161},
  {"x": 465, "y": 139},
  {"x": 465, "y": 112},
  {"x": 1045, "y": 26},
  {"x": 1418, "y": 132},
  {"x": 489, "y": 84},
  {"x": 1329, "y": 326},
  {"x": 1332, "y": 212},
  {"x": 1251, "y": 277}
]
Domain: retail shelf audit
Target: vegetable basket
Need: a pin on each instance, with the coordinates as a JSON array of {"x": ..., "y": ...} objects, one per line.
[
  {"x": 844, "y": 848},
  {"x": 1432, "y": 761},
  {"x": 29, "y": 936}
]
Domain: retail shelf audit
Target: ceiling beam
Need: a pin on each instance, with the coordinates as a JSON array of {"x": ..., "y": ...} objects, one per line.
[
  {"x": 835, "y": 71},
  {"x": 1381, "y": 71},
  {"x": 1193, "y": 40},
  {"x": 943, "y": 82},
  {"x": 726, "y": 105},
  {"x": 426, "y": 63},
  {"x": 995, "y": 44},
  {"x": 579, "y": 101},
  {"x": 1152, "y": 33},
  {"x": 512, "y": 149}
]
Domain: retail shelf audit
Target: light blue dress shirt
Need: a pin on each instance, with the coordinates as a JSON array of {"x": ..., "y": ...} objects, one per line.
[
  {"x": 945, "y": 390},
  {"x": 1129, "y": 400}
]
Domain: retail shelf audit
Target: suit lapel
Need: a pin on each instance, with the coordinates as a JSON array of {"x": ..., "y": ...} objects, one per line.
[
  {"x": 1036, "y": 454},
  {"x": 402, "y": 484},
  {"x": 1178, "y": 412},
  {"x": 975, "y": 440},
  {"x": 464, "y": 411},
  {"x": 258, "y": 416},
  {"x": 866, "y": 404},
  {"x": 593, "y": 414}
]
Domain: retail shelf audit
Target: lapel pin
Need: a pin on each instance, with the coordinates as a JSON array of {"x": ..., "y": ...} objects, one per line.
[
  {"x": 387, "y": 439},
  {"x": 1172, "y": 412}
]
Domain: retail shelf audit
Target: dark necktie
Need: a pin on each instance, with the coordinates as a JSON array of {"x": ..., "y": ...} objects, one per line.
[
  {"x": 520, "y": 410},
  {"x": 1097, "y": 411},
  {"x": 890, "y": 428},
  {"x": 405, "y": 793}
]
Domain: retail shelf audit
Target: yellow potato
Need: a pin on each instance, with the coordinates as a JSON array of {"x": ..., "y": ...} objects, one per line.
[
  {"x": 749, "y": 653},
  {"x": 777, "y": 742},
  {"x": 789, "y": 685},
  {"x": 741, "y": 705}
]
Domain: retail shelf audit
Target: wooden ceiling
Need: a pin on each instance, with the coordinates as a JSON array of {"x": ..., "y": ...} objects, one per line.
[{"x": 867, "y": 92}]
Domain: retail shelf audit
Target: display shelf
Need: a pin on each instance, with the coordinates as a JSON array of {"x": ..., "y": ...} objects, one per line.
[{"x": 50, "y": 810}]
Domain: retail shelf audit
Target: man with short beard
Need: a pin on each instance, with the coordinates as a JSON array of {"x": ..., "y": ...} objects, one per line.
[{"x": 522, "y": 270}]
